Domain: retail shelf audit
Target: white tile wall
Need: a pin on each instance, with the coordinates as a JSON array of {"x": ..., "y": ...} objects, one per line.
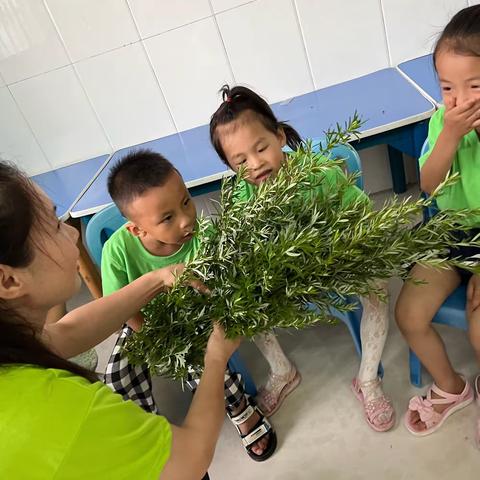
[
  {"x": 17, "y": 143},
  {"x": 473, "y": 2},
  {"x": 221, "y": 5},
  {"x": 265, "y": 54},
  {"x": 425, "y": 20},
  {"x": 157, "y": 16},
  {"x": 279, "y": 47},
  {"x": 60, "y": 116},
  {"x": 90, "y": 27},
  {"x": 355, "y": 47},
  {"x": 123, "y": 88},
  {"x": 29, "y": 43},
  {"x": 191, "y": 65}
]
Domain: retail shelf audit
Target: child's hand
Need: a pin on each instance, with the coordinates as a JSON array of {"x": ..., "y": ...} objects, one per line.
[
  {"x": 136, "y": 322},
  {"x": 168, "y": 276},
  {"x": 461, "y": 119},
  {"x": 473, "y": 293},
  {"x": 218, "y": 347}
]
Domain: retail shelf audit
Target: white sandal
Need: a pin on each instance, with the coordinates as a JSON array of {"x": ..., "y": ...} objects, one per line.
[{"x": 258, "y": 431}]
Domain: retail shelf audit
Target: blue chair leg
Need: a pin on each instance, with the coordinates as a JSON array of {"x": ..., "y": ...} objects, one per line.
[
  {"x": 415, "y": 369},
  {"x": 235, "y": 364}
]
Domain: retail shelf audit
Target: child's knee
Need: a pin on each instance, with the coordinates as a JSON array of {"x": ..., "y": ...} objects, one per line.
[{"x": 409, "y": 318}]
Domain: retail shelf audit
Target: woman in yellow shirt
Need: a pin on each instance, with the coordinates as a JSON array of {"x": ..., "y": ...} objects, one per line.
[{"x": 57, "y": 421}]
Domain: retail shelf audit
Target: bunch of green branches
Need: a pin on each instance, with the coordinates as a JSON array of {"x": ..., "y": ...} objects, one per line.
[{"x": 287, "y": 255}]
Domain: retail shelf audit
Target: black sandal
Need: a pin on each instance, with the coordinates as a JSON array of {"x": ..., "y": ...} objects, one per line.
[{"x": 258, "y": 431}]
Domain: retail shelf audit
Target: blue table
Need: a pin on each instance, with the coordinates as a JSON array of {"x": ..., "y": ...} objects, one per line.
[
  {"x": 189, "y": 151},
  {"x": 422, "y": 72},
  {"x": 395, "y": 114},
  {"x": 67, "y": 184}
]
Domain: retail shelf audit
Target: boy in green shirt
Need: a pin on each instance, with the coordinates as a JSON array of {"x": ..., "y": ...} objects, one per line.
[{"x": 160, "y": 231}]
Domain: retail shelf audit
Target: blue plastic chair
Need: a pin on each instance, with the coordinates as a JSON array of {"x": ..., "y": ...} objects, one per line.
[
  {"x": 451, "y": 313},
  {"x": 99, "y": 229}
]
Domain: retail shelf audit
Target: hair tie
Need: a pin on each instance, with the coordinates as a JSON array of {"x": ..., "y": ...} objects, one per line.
[{"x": 229, "y": 99}]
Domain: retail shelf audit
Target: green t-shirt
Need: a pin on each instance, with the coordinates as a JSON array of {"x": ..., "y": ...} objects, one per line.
[
  {"x": 333, "y": 178},
  {"x": 57, "y": 425},
  {"x": 124, "y": 259},
  {"x": 466, "y": 192}
]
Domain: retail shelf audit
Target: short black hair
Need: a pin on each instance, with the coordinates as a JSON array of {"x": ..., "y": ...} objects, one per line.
[
  {"x": 236, "y": 101},
  {"x": 135, "y": 173},
  {"x": 462, "y": 34}
]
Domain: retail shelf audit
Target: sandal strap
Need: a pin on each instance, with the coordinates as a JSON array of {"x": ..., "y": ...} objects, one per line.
[
  {"x": 261, "y": 429},
  {"x": 425, "y": 410},
  {"x": 369, "y": 383},
  {"x": 377, "y": 406},
  {"x": 244, "y": 415},
  {"x": 445, "y": 396}
]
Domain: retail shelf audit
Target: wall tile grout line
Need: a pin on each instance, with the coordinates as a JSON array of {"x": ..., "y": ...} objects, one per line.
[
  {"x": 30, "y": 129},
  {"x": 304, "y": 43},
  {"x": 150, "y": 63},
  {"x": 75, "y": 71},
  {"x": 217, "y": 26},
  {"x": 385, "y": 31}
]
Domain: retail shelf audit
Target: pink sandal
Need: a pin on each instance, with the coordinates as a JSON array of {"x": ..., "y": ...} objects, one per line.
[
  {"x": 432, "y": 419},
  {"x": 376, "y": 407},
  {"x": 279, "y": 386}
]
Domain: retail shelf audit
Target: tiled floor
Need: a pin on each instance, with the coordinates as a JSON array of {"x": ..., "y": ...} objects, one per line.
[{"x": 320, "y": 427}]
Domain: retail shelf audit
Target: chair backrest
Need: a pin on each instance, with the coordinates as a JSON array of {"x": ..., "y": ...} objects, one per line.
[
  {"x": 432, "y": 210},
  {"x": 100, "y": 228},
  {"x": 344, "y": 151}
]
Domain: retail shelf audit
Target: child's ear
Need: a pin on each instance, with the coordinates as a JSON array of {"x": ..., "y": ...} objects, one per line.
[
  {"x": 12, "y": 285},
  {"x": 134, "y": 230}
]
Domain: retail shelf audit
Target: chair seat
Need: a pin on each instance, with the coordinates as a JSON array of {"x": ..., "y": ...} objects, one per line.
[{"x": 452, "y": 312}]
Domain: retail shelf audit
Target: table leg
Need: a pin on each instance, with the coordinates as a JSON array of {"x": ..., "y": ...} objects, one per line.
[
  {"x": 87, "y": 269},
  {"x": 397, "y": 168}
]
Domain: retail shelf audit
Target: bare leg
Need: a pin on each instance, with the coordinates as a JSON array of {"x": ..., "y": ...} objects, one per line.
[{"x": 415, "y": 309}]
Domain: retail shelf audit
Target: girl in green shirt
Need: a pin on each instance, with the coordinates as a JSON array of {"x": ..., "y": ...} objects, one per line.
[
  {"x": 454, "y": 148},
  {"x": 56, "y": 419},
  {"x": 245, "y": 132}
]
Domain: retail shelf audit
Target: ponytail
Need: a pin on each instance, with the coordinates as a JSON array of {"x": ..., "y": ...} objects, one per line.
[{"x": 238, "y": 100}]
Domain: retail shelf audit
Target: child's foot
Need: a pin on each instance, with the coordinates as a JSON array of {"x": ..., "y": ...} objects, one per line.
[
  {"x": 258, "y": 436},
  {"x": 378, "y": 408},
  {"x": 271, "y": 396},
  {"x": 426, "y": 414}
]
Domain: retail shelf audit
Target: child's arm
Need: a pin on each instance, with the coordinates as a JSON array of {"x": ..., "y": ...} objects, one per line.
[
  {"x": 86, "y": 326},
  {"x": 458, "y": 121}
]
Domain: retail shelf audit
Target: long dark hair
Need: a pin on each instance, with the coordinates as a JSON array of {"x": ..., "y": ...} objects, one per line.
[
  {"x": 462, "y": 33},
  {"x": 22, "y": 210},
  {"x": 239, "y": 99}
]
